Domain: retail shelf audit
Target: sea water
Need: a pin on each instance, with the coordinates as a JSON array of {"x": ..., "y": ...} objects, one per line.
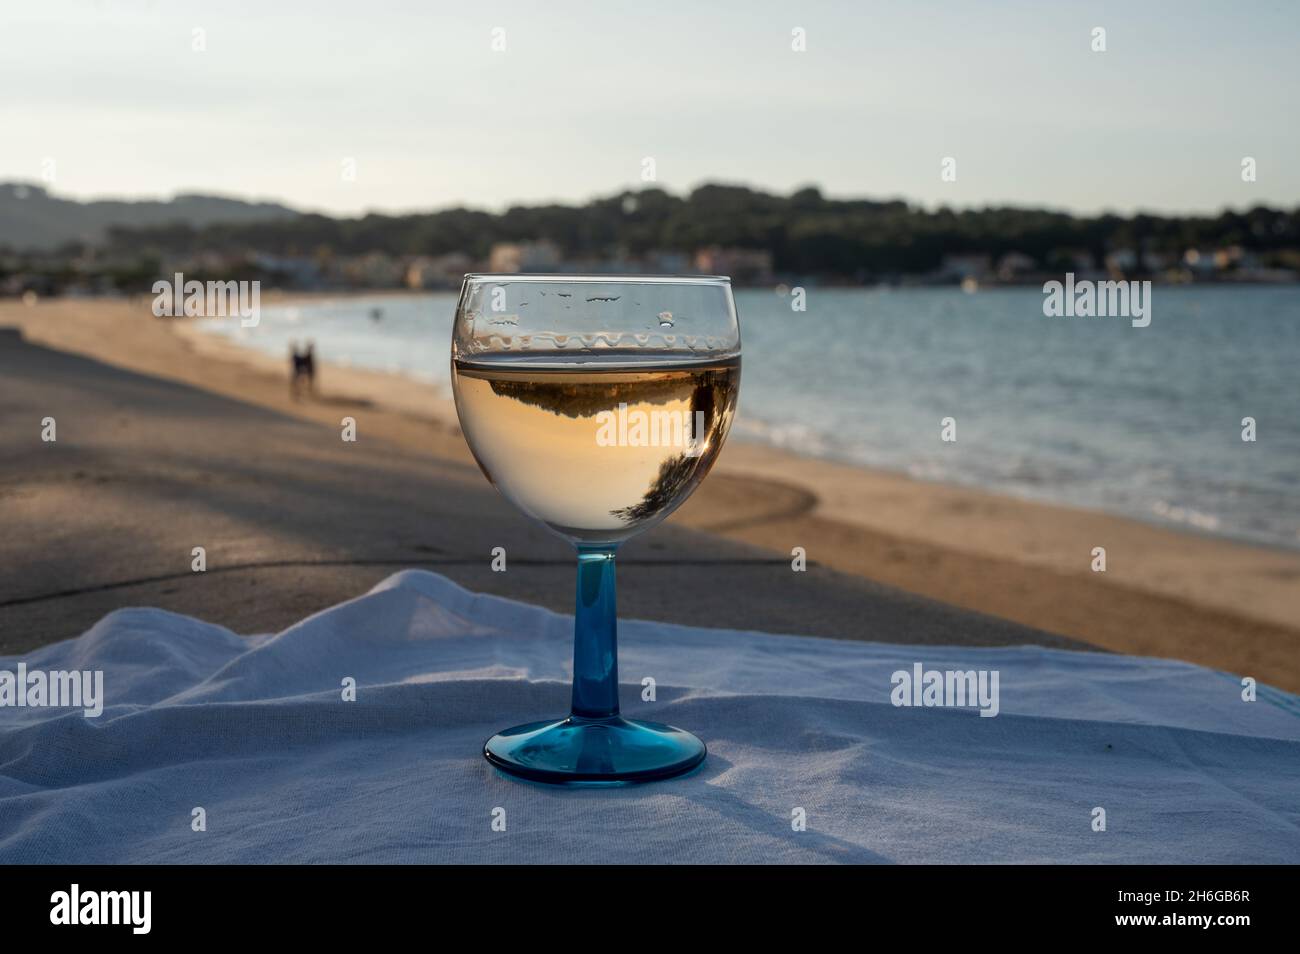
[{"x": 1087, "y": 412}]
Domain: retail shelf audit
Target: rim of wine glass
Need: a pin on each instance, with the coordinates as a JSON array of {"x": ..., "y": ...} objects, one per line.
[{"x": 593, "y": 278}]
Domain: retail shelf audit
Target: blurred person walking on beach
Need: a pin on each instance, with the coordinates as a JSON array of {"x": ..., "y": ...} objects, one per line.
[{"x": 302, "y": 367}]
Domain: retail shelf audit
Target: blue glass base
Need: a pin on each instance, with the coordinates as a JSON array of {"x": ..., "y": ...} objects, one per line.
[{"x": 594, "y": 750}]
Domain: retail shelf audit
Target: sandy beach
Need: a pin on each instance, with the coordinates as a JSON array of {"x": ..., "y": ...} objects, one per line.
[{"x": 1164, "y": 593}]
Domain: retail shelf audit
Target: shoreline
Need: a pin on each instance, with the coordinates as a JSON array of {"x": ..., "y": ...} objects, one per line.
[
  {"x": 1166, "y": 592},
  {"x": 1029, "y": 472}
]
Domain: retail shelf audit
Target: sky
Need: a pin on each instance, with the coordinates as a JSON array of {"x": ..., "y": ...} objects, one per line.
[{"x": 345, "y": 107}]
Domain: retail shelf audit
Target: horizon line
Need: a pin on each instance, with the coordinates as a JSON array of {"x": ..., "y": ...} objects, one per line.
[{"x": 86, "y": 199}]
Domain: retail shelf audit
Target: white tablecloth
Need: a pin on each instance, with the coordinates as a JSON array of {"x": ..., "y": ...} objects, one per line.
[{"x": 255, "y": 731}]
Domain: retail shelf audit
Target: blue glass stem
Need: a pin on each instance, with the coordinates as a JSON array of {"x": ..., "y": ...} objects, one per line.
[
  {"x": 595, "y": 636},
  {"x": 594, "y": 744}
]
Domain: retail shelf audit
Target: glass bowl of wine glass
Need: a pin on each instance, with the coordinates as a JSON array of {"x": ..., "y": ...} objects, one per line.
[{"x": 595, "y": 404}]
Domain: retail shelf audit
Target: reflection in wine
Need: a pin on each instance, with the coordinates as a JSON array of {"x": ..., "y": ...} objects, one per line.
[{"x": 540, "y": 430}]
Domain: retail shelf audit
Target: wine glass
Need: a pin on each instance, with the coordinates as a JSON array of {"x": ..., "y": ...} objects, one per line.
[{"x": 595, "y": 404}]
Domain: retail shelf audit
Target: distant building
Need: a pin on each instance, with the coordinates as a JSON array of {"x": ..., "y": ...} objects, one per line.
[
  {"x": 1236, "y": 257},
  {"x": 294, "y": 271},
  {"x": 1157, "y": 261},
  {"x": 1198, "y": 263},
  {"x": 667, "y": 263},
  {"x": 510, "y": 257},
  {"x": 745, "y": 265},
  {"x": 1015, "y": 265},
  {"x": 441, "y": 271},
  {"x": 619, "y": 262},
  {"x": 615, "y": 265},
  {"x": 371, "y": 270},
  {"x": 1123, "y": 261}
]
